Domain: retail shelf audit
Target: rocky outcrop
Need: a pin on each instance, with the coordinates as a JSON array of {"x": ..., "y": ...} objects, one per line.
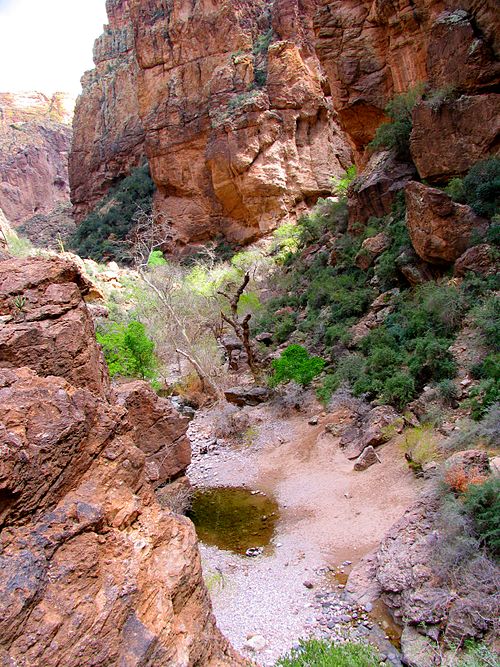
[
  {"x": 480, "y": 259},
  {"x": 158, "y": 430},
  {"x": 372, "y": 193},
  {"x": 50, "y": 230},
  {"x": 239, "y": 127},
  {"x": 35, "y": 139},
  {"x": 46, "y": 325},
  {"x": 372, "y": 51},
  {"x": 93, "y": 571},
  {"x": 108, "y": 136},
  {"x": 449, "y": 138},
  {"x": 440, "y": 230},
  {"x": 411, "y": 572}
]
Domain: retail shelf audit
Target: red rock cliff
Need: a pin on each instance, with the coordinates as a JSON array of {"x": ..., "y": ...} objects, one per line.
[
  {"x": 35, "y": 139},
  {"x": 239, "y": 127},
  {"x": 374, "y": 50}
]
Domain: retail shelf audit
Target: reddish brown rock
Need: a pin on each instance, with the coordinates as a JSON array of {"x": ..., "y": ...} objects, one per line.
[
  {"x": 153, "y": 423},
  {"x": 372, "y": 51},
  {"x": 246, "y": 136},
  {"x": 440, "y": 230},
  {"x": 108, "y": 139},
  {"x": 371, "y": 248},
  {"x": 459, "y": 56},
  {"x": 366, "y": 459},
  {"x": 35, "y": 139},
  {"x": 92, "y": 570},
  {"x": 372, "y": 192},
  {"x": 449, "y": 138},
  {"x": 481, "y": 259},
  {"x": 47, "y": 325}
]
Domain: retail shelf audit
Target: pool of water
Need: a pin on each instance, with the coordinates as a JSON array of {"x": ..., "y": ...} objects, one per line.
[{"x": 234, "y": 518}]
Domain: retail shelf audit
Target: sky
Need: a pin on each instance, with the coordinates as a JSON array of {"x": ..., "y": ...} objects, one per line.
[{"x": 46, "y": 45}]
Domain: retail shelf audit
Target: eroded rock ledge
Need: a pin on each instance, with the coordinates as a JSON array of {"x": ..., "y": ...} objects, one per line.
[{"x": 93, "y": 571}]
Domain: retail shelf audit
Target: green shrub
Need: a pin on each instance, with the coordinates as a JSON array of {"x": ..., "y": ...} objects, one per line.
[
  {"x": 340, "y": 185},
  {"x": 482, "y": 187},
  {"x": 296, "y": 364},
  {"x": 128, "y": 351},
  {"x": 487, "y": 319},
  {"x": 104, "y": 233},
  {"x": 396, "y": 134},
  {"x": 399, "y": 389},
  {"x": 448, "y": 391},
  {"x": 319, "y": 653},
  {"x": 482, "y": 502},
  {"x": 455, "y": 189}
]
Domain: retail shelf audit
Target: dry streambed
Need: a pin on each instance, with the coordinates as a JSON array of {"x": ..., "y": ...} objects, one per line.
[{"x": 327, "y": 517}]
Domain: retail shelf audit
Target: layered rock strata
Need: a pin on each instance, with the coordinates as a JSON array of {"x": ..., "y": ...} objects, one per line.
[
  {"x": 93, "y": 571},
  {"x": 108, "y": 134},
  {"x": 35, "y": 139},
  {"x": 239, "y": 127}
]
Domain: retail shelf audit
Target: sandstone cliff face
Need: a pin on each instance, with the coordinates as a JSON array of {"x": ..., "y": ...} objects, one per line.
[
  {"x": 93, "y": 571},
  {"x": 372, "y": 51},
  {"x": 239, "y": 126},
  {"x": 35, "y": 139},
  {"x": 108, "y": 135}
]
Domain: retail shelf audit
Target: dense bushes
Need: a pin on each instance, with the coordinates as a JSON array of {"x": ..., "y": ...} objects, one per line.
[
  {"x": 295, "y": 364},
  {"x": 128, "y": 351},
  {"x": 482, "y": 502},
  {"x": 104, "y": 233},
  {"x": 480, "y": 188},
  {"x": 323, "y": 294}
]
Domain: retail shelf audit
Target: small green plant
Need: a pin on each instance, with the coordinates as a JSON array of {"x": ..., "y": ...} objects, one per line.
[
  {"x": 215, "y": 580},
  {"x": 156, "y": 259},
  {"x": 320, "y": 653},
  {"x": 340, "y": 185},
  {"x": 296, "y": 364},
  {"x": 249, "y": 436},
  {"x": 420, "y": 446},
  {"x": 396, "y": 134},
  {"x": 482, "y": 502},
  {"x": 399, "y": 389},
  {"x": 128, "y": 350},
  {"x": 20, "y": 303},
  {"x": 477, "y": 655}
]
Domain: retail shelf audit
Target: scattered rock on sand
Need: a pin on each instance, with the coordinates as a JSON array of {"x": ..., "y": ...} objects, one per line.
[
  {"x": 255, "y": 643},
  {"x": 247, "y": 395},
  {"x": 366, "y": 459}
]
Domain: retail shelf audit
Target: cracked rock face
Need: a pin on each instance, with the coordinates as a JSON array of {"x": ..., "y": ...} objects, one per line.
[
  {"x": 229, "y": 104},
  {"x": 35, "y": 139},
  {"x": 92, "y": 570}
]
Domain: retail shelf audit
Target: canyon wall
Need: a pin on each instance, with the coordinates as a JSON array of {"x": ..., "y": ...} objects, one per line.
[
  {"x": 35, "y": 140},
  {"x": 108, "y": 136},
  {"x": 374, "y": 50},
  {"x": 245, "y": 110},
  {"x": 92, "y": 570},
  {"x": 239, "y": 127}
]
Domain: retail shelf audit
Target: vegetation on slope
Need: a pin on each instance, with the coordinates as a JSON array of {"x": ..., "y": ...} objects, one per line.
[{"x": 105, "y": 233}]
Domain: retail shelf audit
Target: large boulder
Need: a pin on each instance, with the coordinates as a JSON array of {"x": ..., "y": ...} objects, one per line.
[
  {"x": 92, "y": 570},
  {"x": 158, "y": 430},
  {"x": 378, "y": 426},
  {"x": 372, "y": 192},
  {"x": 440, "y": 230},
  {"x": 247, "y": 395},
  {"x": 46, "y": 323},
  {"x": 450, "y": 137},
  {"x": 480, "y": 259}
]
